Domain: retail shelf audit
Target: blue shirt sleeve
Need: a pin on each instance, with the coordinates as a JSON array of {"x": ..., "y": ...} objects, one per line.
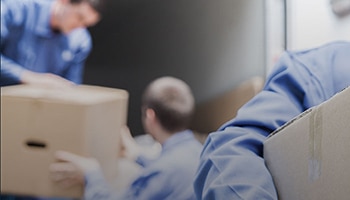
[
  {"x": 142, "y": 188},
  {"x": 11, "y": 15},
  {"x": 143, "y": 161},
  {"x": 82, "y": 40},
  {"x": 232, "y": 163},
  {"x": 10, "y": 72}
]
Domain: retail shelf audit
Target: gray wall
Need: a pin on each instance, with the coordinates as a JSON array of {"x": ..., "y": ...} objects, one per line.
[{"x": 211, "y": 44}]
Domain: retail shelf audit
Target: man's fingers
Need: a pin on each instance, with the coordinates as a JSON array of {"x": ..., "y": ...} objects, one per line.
[
  {"x": 62, "y": 170},
  {"x": 67, "y": 157},
  {"x": 125, "y": 132},
  {"x": 84, "y": 164},
  {"x": 66, "y": 174},
  {"x": 67, "y": 182}
]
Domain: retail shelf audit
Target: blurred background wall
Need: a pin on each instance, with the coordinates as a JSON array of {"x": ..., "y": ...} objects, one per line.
[{"x": 213, "y": 45}]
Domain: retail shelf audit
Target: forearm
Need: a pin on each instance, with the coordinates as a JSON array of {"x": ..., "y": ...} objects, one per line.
[
  {"x": 10, "y": 72},
  {"x": 75, "y": 71},
  {"x": 232, "y": 163}
]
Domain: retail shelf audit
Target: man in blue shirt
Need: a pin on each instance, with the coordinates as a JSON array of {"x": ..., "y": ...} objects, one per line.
[
  {"x": 232, "y": 164},
  {"x": 167, "y": 108},
  {"x": 46, "y": 42}
]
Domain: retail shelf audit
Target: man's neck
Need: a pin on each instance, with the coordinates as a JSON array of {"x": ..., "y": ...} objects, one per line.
[{"x": 163, "y": 136}]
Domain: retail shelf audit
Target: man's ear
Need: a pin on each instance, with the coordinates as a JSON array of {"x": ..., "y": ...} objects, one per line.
[{"x": 150, "y": 114}]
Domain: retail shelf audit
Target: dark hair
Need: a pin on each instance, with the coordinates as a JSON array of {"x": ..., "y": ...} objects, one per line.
[
  {"x": 98, "y": 5},
  {"x": 172, "y": 101}
]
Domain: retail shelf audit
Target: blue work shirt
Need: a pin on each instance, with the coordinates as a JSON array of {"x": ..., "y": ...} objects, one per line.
[
  {"x": 169, "y": 177},
  {"x": 28, "y": 42},
  {"x": 232, "y": 164}
]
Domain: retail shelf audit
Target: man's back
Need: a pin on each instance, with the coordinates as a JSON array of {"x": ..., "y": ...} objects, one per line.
[{"x": 171, "y": 175}]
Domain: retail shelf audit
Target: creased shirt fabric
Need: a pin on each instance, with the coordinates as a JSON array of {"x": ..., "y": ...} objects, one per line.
[
  {"x": 28, "y": 42},
  {"x": 170, "y": 177},
  {"x": 232, "y": 164}
]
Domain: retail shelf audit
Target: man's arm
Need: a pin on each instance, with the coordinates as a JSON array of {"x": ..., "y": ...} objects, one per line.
[
  {"x": 72, "y": 169},
  {"x": 232, "y": 164},
  {"x": 12, "y": 16},
  {"x": 81, "y": 44},
  {"x": 9, "y": 74}
]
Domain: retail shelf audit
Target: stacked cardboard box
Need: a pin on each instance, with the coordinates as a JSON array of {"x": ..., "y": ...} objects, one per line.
[
  {"x": 309, "y": 157},
  {"x": 38, "y": 121}
]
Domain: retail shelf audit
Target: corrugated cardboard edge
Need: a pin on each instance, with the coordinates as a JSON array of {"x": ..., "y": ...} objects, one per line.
[
  {"x": 46, "y": 94},
  {"x": 290, "y": 122},
  {"x": 302, "y": 115}
]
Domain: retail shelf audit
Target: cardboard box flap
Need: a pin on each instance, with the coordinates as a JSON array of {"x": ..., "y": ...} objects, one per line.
[
  {"x": 290, "y": 122},
  {"x": 80, "y": 94},
  {"x": 301, "y": 115}
]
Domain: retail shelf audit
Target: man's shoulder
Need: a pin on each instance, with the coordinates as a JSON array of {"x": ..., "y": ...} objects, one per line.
[
  {"x": 336, "y": 44},
  {"x": 21, "y": 10},
  {"x": 24, "y": 4},
  {"x": 323, "y": 49}
]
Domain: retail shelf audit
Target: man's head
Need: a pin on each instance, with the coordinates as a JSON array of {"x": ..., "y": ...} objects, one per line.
[
  {"x": 172, "y": 103},
  {"x": 68, "y": 15}
]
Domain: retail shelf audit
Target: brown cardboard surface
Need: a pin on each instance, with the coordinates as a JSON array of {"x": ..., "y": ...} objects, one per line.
[
  {"x": 84, "y": 120},
  {"x": 309, "y": 157},
  {"x": 211, "y": 114}
]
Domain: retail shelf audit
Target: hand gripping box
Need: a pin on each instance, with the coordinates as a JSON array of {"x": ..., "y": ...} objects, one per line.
[
  {"x": 37, "y": 121},
  {"x": 309, "y": 157}
]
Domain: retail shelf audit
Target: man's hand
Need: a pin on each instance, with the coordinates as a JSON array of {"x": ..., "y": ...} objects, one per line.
[
  {"x": 45, "y": 80},
  {"x": 71, "y": 168},
  {"x": 129, "y": 148}
]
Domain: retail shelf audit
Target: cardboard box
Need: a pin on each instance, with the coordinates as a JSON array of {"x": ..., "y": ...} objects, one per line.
[
  {"x": 36, "y": 122},
  {"x": 213, "y": 113},
  {"x": 309, "y": 157}
]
